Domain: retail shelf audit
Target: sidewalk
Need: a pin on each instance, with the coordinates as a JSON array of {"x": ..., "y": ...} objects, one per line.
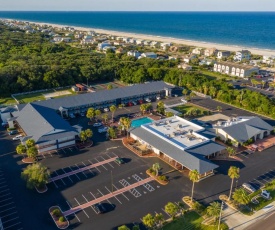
[{"x": 238, "y": 221}]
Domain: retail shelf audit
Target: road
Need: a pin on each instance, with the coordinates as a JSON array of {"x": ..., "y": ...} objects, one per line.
[{"x": 267, "y": 223}]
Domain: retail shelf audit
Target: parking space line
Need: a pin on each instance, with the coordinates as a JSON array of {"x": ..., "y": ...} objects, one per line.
[
  {"x": 9, "y": 214},
  {"x": 3, "y": 186},
  {"x": 121, "y": 193},
  {"x": 7, "y": 209},
  {"x": 71, "y": 149},
  {"x": 87, "y": 202},
  {"x": 101, "y": 165},
  {"x": 94, "y": 167},
  {"x": 3, "y": 182},
  {"x": 60, "y": 178},
  {"x": 165, "y": 212},
  {"x": 259, "y": 181},
  {"x": 5, "y": 194},
  {"x": 89, "y": 169},
  {"x": 13, "y": 225},
  {"x": 108, "y": 162},
  {"x": 74, "y": 173},
  {"x": 5, "y": 199},
  {"x": 6, "y": 204},
  {"x": 55, "y": 184},
  {"x": 81, "y": 171},
  {"x": 68, "y": 176},
  {"x": 5, "y": 190},
  {"x": 103, "y": 195},
  {"x": 93, "y": 195},
  {"x": 114, "y": 196},
  {"x": 82, "y": 209},
  {"x": 10, "y": 220}
]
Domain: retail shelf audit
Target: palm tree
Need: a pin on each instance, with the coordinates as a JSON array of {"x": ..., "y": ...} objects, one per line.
[
  {"x": 194, "y": 176},
  {"x": 171, "y": 209},
  {"x": 113, "y": 109},
  {"x": 233, "y": 173},
  {"x": 156, "y": 168},
  {"x": 143, "y": 108},
  {"x": 97, "y": 113},
  {"x": 30, "y": 143},
  {"x": 231, "y": 151},
  {"x": 149, "y": 220},
  {"x": 90, "y": 113},
  {"x": 213, "y": 210},
  {"x": 185, "y": 92},
  {"x": 241, "y": 196},
  {"x": 159, "y": 219},
  {"x": 105, "y": 117},
  {"x": 32, "y": 152},
  {"x": 126, "y": 123},
  {"x": 21, "y": 149}
]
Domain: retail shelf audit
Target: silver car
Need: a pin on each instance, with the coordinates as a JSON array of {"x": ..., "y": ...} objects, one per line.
[{"x": 249, "y": 187}]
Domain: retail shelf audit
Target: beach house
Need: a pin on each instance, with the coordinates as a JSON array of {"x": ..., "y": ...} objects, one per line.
[
  {"x": 102, "y": 45},
  {"x": 184, "y": 66},
  {"x": 234, "y": 69},
  {"x": 197, "y": 51},
  {"x": 189, "y": 57},
  {"x": 149, "y": 55},
  {"x": 210, "y": 51},
  {"x": 268, "y": 59},
  {"x": 242, "y": 55},
  {"x": 223, "y": 54},
  {"x": 134, "y": 53}
]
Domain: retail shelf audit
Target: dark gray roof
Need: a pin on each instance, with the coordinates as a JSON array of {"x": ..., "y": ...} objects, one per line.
[
  {"x": 104, "y": 95},
  {"x": 206, "y": 149},
  {"x": 191, "y": 160},
  {"x": 41, "y": 123},
  {"x": 245, "y": 130}
]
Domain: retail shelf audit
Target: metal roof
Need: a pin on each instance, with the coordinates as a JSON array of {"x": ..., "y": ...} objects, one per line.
[
  {"x": 38, "y": 122},
  {"x": 104, "y": 95},
  {"x": 245, "y": 130},
  {"x": 194, "y": 159}
]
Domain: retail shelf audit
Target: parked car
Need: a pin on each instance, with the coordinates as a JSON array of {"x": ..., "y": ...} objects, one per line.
[
  {"x": 120, "y": 161},
  {"x": 18, "y": 137},
  {"x": 13, "y": 132},
  {"x": 100, "y": 209},
  {"x": 147, "y": 99},
  {"x": 103, "y": 129},
  {"x": 4, "y": 124},
  {"x": 158, "y": 98},
  {"x": 82, "y": 114},
  {"x": 71, "y": 115},
  {"x": 106, "y": 110},
  {"x": 98, "y": 124},
  {"x": 259, "y": 76},
  {"x": 249, "y": 187}
]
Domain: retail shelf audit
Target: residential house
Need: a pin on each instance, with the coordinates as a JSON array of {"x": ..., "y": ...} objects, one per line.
[
  {"x": 102, "y": 45},
  {"x": 241, "y": 129},
  {"x": 207, "y": 61},
  {"x": 132, "y": 41},
  {"x": 147, "y": 43},
  {"x": 126, "y": 40},
  {"x": 105, "y": 48},
  {"x": 66, "y": 39},
  {"x": 120, "y": 50},
  {"x": 79, "y": 36},
  {"x": 165, "y": 46},
  {"x": 139, "y": 42},
  {"x": 268, "y": 59},
  {"x": 57, "y": 39},
  {"x": 197, "y": 51},
  {"x": 85, "y": 41},
  {"x": 210, "y": 51},
  {"x": 188, "y": 58},
  {"x": 242, "y": 55},
  {"x": 223, "y": 54},
  {"x": 184, "y": 66},
  {"x": 134, "y": 53},
  {"x": 149, "y": 55},
  {"x": 154, "y": 44},
  {"x": 234, "y": 69}
]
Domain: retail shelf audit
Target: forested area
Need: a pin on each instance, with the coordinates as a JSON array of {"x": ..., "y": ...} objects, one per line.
[{"x": 31, "y": 62}]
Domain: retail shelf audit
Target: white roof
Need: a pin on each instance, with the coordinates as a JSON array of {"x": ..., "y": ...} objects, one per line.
[{"x": 177, "y": 131}]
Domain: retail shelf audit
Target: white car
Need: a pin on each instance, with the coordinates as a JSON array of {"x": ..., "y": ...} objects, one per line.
[
  {"x": 158, "y": 98},
  {"x": 147, "y": 99},
  {"x": 103, "y": 129},
  {"x": 97, "y": 124},
  {"x": 18, "y": 137},
  {"x": 106, "y": 110}
]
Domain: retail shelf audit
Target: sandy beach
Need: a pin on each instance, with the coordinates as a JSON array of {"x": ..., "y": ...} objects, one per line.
[{"x": 259, "y": 51}]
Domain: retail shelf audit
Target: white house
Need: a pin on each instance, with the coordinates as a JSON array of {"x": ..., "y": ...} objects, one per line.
[
  {"x": 242, "y": 55},
  {"x": 188, "y": 58},
  {"x": 100, "y": 46},
  {"x": 235, "y": 69},
  {"x": 268, "y": 59},
  {"x": 149, "y": 55},
  {"x": 154, "y": 44},
  {"x": 184, "y": 66},
  {"x": 147, "y": 43},
  {"x": 207, "y": 61},
  {"x": 87, "y": 41},
  {"x": 126, "y": 40},
  {"x": 66, "y": 39},
  {"x": 57, "y": 38},
  {"x": 198, "y": 51},
  {"x": 165, "y": 46},
  {"x": 134, "y": 53},
  {"x": 223, "y": 54},
  {"x": 139, "y": 42}
]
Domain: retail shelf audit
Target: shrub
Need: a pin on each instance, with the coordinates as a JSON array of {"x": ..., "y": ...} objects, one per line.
[
  {"x": 198, "y": 207},
  {"x": 153, "y": 173},
  {"x": 150, "y": 170},
  {"x": 62, "y": 219},
  {"x": 56, "y": 212},
  {"x": 163, "y": 178}
]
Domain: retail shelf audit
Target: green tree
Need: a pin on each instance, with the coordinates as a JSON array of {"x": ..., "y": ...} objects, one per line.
[
  {"x": 123, "y": 227},
  {"x": 109, "y": 86},
  {"x": 85, "y": 134},
  {"x": 126, "y": 123},
  {"x": 159, "y": 219},
  {"x": 241, "y": 196},
  {"x": 143, "y": 108},
  {"x": 156, "y": 168},
  {"x": 32, "y": 152},
  {"x": 112, "y": 133},
  {"x": 194, "y": 176},
  {"x": 213, "y": 210},
  {"x": 171, "y": 209},
  {"x": 105, "y": 117},
  {"x": 136, "y": 227},
  {"x": 160, "y": 107},
  {"x": 149, "y": 221},
  {"x": 185, "y": 92},
  {"x": 113, "y": 109},
  {"x": 30, "y": 143},
  {"x": 21, "y": 149},
  {"x": 36, "y": 175},
  {"x": 231, "y": 151},
  {"x": 219, "y": 108},
  {"x": 192, "y": 95},
  {"x": 97, "y": 113},
  {"x": 233, "y": 173},
  {"x": 90, "y": 113},
  {"x": 181, "y": 208},
  {"x": 169, "y": 114}
]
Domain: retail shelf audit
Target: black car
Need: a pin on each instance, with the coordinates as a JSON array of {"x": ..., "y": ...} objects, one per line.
[{"x": 100, "y": 209}]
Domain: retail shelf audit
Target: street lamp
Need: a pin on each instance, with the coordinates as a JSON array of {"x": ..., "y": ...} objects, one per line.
[{"x": 220, "y": 216}]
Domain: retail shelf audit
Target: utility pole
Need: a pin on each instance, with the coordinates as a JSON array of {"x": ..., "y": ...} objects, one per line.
[{"x": 220, "y": 216}]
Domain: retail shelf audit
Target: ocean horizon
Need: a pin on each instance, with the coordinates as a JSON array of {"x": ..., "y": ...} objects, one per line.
[{"x": 243, "y": 29}]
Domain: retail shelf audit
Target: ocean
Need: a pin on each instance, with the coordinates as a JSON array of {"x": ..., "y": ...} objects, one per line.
[{"x": 248, "y": 29}]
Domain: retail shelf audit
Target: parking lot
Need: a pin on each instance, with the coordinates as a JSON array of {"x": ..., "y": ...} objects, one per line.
[{"x": 8, "y": 211}]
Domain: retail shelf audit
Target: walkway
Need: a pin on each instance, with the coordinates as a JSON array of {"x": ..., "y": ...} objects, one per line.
[
  {"x": 81, "y": 169},
  {"x": 265, "y": 143},
  {"x": 105, "y": 197}
]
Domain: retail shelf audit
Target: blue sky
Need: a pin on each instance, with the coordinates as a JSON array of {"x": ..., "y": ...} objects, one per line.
[{"x": 139, "y": 5}]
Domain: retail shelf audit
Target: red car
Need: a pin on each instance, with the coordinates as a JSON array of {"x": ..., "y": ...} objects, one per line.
[{"x": 140, "y": 101}]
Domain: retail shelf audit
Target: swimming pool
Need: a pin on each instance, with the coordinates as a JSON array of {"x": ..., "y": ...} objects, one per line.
[{"x": 140, "y": 121}]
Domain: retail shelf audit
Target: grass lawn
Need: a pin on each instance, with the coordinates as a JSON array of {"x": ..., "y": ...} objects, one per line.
[
  {"x": 7, "y": 101},
  {"x": 184, "y": 108},
  {"x": 191, "y": 221}
]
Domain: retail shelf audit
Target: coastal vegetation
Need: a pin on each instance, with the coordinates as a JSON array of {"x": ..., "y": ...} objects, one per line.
[{"x": 31, "y": 62}]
